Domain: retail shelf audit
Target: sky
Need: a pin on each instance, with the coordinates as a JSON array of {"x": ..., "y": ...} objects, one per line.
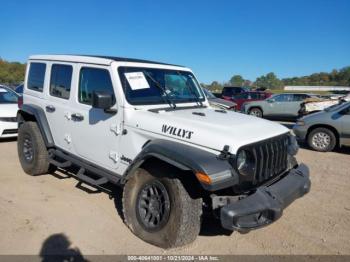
[{"x": 217, "y": 39}]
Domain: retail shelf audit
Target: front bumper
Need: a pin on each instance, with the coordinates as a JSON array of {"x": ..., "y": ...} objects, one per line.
[
  {"x": 8, "y": 129},
  {"x": 300, "y": 132},
  {"x": 267, "y": 203}
]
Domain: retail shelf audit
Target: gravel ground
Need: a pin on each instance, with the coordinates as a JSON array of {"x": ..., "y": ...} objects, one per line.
[{"x": 52, "y": 212}]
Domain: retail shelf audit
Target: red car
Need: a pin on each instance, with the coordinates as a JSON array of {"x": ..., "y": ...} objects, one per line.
[{"x": 242, "y": 98}]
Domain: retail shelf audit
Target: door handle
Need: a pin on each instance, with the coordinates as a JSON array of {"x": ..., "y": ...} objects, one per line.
[
  {"x": 77, "y": 117},
  {"x": 50, "y": 108}
]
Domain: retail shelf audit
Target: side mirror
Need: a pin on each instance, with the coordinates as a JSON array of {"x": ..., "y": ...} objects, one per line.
[
  {"x": 270, "y": 100},
  {"x": 103, "y": 101}
]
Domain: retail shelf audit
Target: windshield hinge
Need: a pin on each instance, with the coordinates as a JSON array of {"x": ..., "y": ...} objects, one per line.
[{"x": 225, "y": 153}]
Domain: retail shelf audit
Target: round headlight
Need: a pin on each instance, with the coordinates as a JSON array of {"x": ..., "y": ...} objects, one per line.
[{"x": 245, "y": 163}]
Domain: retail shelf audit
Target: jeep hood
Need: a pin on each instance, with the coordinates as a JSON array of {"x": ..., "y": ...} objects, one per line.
[{"x": 205, "y": 127}]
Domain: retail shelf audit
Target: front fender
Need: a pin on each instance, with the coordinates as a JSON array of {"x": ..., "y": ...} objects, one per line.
[{"x": 191, "y": 158}]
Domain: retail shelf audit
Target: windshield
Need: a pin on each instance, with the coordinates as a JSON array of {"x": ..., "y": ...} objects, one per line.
[
  {"x": 8, "y": 97},
  {"x": 336, "y": 106},
  {"x": 208, "y": 93},
  {"x": 149, "y": 86}
]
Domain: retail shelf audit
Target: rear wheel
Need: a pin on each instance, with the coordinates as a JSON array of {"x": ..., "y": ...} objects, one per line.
[
  {"x": 256, "y": 112},
  {"x": 160, "y": 211},
  {"x": 322, "y": 139},
  {"x": 32, "y": 151}
]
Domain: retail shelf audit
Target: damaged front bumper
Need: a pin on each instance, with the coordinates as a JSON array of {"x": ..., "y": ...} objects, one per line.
[{"x": 267, "y": 203}]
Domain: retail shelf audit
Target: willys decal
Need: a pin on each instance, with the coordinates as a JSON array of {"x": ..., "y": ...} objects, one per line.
[{"x": 175, "y": 131}]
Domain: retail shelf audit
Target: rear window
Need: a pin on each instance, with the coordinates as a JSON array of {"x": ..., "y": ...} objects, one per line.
[
  {"x": 36, "y": 76},
  {"x": 61, "y": 78}
]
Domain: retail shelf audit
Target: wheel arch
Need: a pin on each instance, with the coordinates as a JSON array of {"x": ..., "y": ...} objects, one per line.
[
  {"x": 171, "y": 154},
  {"x": 34, "y": 113},
  {"x": 255, "y": 106}
]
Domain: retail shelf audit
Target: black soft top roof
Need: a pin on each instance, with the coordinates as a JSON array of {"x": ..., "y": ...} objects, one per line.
[{"x": 124, "y": 59}]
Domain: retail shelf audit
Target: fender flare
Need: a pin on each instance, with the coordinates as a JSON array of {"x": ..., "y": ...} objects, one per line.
[
  {"x": 187, "y": 158},
  {"x": 38, "y": 114}
]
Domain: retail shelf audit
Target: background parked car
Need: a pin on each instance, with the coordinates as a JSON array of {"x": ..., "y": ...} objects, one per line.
[
  {"x": 326, "y": 129},
  {"x": 8, "y": 112},
  {"x": 19, "y": 89},
  {"x": 242, "y": 98},
  {"x": 281, "y": 106},
  {"x": 218, "y": 102},
  {"x": 229, "y": 91}
]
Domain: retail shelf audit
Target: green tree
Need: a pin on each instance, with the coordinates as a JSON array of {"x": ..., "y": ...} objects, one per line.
[
  {"x": 269, "y": 81},
  {"x": 11, "y": 72},
  {"x": 237, "y": 80},
  {"x": 215, "y": 87}
]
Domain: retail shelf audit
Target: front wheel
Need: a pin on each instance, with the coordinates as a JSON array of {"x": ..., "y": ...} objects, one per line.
[
  {"x": 322, "y": 139},
  {"x": 160, "y": 211},
  {"x": 256, "y": 112}
]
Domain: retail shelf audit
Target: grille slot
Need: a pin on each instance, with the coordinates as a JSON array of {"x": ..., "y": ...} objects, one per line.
[
  {"x": 10, "y": 131},
  {"x": 8, "y": 119},
  {"x": 271, "y": 158}
]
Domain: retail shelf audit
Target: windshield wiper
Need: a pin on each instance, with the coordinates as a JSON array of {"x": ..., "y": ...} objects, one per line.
[
  {"x": 160, "y": 87},
  {"x": 193, "y": 92}
]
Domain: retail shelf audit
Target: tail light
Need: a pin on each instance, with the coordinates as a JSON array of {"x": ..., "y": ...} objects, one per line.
[{"x": 20, "y": 102}]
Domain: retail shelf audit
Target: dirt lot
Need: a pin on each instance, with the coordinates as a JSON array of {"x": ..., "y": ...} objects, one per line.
[{"x": 38, "y": 213}]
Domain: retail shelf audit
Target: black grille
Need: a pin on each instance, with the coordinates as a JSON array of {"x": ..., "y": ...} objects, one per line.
[
  {"x": 10, "y": 131},
  {"x": 271, "y": 158}
]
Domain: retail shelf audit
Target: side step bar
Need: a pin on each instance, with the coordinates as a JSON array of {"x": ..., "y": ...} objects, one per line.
[
  {"x": 60, "y": 164},
  {"x": 96, "y": 182},
  {"x": 69, "y": 160}
]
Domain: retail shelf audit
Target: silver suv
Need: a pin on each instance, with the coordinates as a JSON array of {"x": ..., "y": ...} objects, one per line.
[{"x": 324, "y": 130}]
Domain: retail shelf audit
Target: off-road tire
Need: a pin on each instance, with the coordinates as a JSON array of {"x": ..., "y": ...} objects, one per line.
[
  {"x": 39, "y": 163},
  {"x": 184, "y": 222},
  {"x": 256, "y": 112},
  {"x": 322, "y": 131}
]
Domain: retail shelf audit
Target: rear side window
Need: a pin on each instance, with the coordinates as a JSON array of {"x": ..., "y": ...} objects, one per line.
[
  {"x": 61, "y": 78},
  {"x": 93, "y": 79},
  {"x": 283, "y": 98},
  {"x": 241, "y": 96},
  {"x": 299, "y": 97},
  {"x": 36, "y": 76}
]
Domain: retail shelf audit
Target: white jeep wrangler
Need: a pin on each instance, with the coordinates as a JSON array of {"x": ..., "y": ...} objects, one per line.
[{"x": 148, "y": 127}]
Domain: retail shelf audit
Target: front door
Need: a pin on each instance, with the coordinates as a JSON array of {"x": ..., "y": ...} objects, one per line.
[
  {"x": 275, "y": 106},
  {"x": 95, "y": 133}
]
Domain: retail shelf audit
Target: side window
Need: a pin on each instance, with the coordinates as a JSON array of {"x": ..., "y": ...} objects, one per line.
[
  {"x": 255, "y": 96},
  {"x": 282, "y": 98},
  {"x": 61, "y": 78},
  {"x": 36, "y": 76},
  {"x": 299, "y": 97},
  {"x": 226, "y": 92},
  {"x": 241, "y": 96},
  {"x": 93, "y": 79}
]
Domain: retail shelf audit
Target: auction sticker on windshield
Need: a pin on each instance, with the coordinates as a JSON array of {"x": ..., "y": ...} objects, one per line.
[{"x": 137, "y": 80}]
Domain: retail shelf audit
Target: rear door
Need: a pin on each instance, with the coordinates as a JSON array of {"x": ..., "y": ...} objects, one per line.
[
  {"x": 95, "y": 133},
  {"x": 57, "y": 108},
  {"x": 293, "y": 106}
]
